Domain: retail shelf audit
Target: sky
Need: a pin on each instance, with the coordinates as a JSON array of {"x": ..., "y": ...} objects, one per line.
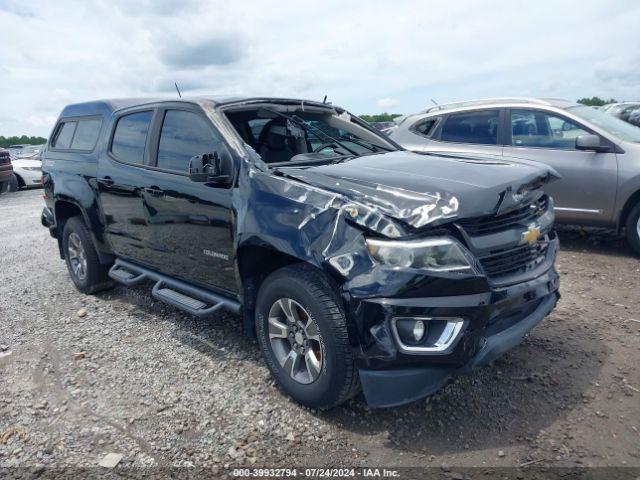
[{"x": 367, "y": 56}]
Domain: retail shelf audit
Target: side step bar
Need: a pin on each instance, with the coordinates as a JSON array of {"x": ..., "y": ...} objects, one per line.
[{"x": 194, "y": 300}]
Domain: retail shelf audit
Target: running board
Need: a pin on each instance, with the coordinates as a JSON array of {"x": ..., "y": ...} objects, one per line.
[{"x": 194, "y": 300}]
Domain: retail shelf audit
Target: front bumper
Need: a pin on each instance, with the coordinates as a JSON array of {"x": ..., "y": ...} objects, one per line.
[
  {"x": 496, "y": 321},
  {"x": 389, "y": 388},
  {"x": 31, "y": 178}
]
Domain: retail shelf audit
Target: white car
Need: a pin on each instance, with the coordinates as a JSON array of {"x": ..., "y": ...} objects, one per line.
[{"x": 27, "y": 167}]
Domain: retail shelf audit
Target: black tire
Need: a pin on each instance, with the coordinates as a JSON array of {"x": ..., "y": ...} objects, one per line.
[
  {"x": 3, "y": 187},
  {"x": 337, "y": 380},
  {"x": 95, "y": 276},
  {"x": 13, "y": 184},
  {"x": 633, "y": 228}
]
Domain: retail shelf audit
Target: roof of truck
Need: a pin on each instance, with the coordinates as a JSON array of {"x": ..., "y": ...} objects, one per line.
[{"x": 108, "y": 106}]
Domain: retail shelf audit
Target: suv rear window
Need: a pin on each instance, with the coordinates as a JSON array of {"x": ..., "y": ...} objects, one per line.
[
  {"x": 472, "y": 127},
  {"x": 425, "y": 127},
  {"x": 64, "y": 135},
  {"x": 86, "y": 134},
  {"x": 76, "y": 134},
  {"x": 130, "y": 137}
]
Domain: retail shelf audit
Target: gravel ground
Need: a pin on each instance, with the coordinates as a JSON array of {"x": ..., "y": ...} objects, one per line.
[{"x": 85, "y": 376}]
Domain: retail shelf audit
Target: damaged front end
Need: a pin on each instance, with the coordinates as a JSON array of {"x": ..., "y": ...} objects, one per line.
[{"x": 443, "y": 263}]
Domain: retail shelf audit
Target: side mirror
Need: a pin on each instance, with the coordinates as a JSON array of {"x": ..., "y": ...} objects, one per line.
[
  {"x": 210, "y": 168},
  {"x": 591, "y": 143}
]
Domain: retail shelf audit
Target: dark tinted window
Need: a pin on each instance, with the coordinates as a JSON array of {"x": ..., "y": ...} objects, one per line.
[
  {"x": 130, "y": 137},
  {"x": 184, "y": 135},
  {"x": 425, "y": 127},
  {"x": 64, "y": 135},
  {"x": 531, "y": 128},
  {"x": 472, "y": 127},
  {"x": 256, "y": 125},
  {"x": 86, "y": 134}
]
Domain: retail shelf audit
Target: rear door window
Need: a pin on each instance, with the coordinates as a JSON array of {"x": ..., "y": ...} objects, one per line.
[
  {"x": 130, "y": 137},
  {"x": 64, "y": 135},
  {"x": 479, "y": 127},
  {"x": 184, "y": 135},
  {"x": 86, "y": 134}
]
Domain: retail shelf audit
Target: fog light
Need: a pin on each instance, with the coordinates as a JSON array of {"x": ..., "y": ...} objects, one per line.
[
  {"x": 426, "y": 335},
  {"x": 418, "y": 330}
]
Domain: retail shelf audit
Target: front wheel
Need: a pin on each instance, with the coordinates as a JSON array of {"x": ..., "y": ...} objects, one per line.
[
  {"x": 633, "y": 228},
  {"x": 302, "y": 333}
]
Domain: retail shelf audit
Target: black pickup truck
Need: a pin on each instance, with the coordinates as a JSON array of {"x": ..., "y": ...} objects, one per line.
[{"x": 355, "y": 264}]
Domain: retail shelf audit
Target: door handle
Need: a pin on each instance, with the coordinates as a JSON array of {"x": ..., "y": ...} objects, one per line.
[
  {"x": 154, "y": 191},
  {"x": 106, "y": 181}
]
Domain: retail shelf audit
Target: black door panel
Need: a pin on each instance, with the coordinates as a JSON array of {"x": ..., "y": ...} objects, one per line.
[
  {"x": 190, "y": 230},
  {"x": 119, "y": 186},
  {"x": 190, "y": 222}
]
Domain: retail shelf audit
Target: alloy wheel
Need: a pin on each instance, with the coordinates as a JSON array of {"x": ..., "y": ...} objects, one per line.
[
  {"x": 77, "y": 256},
  {"x": 295, "y": 340}
]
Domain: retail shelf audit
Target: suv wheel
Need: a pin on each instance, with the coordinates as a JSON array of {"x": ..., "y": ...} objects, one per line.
[
  {"x": 302, "y": 333},
  {"x": 13, "y": 184},
  {"x": 85, "y": 269},
  {"x": 633, "y": 228}
]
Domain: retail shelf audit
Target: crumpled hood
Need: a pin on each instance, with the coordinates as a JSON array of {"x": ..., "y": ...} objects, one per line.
[{"x": 430, "y": 189}]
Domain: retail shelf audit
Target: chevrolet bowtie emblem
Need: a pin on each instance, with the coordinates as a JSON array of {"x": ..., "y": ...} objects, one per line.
[{"x": 531, "y": 235}]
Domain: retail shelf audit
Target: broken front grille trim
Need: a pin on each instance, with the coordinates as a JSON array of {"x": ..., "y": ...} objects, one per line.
[{"x": 497, "y": 223}]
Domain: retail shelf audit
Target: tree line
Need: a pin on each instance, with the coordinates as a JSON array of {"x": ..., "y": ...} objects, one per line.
[
  {"x": 380, "y": 117},
  {"x": 596, "y": 101},
  {"x": 15, "y": 140}
]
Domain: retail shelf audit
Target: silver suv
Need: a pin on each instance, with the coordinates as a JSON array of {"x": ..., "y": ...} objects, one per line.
[{"x": 597, "y": 155}]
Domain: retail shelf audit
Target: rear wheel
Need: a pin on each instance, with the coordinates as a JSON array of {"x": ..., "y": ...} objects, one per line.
[
  {"x": 302, "y": 333},
  {"x": 85, "y": 269},
  {"x": 633, "y": 228}
]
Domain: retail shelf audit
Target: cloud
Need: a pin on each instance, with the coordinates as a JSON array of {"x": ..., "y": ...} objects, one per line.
[
  {"x": 388, "y": 103},
  {"x": 212, "y": 51},
  {"x": 17, "y": 8},
  {"x": 623, "y": 69},
  {"x": 55, "y": 53},
  {"x": 40, "y": 120}
]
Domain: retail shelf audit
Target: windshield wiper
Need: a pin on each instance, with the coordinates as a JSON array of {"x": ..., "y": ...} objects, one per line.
[
  {"x": 371, "y": 146},
  {"x": 317, "y": 131}
]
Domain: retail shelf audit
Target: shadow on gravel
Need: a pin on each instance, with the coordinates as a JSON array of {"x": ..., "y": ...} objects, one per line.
[
  {"x": 593, "y": 240},
  {"x": 216, "y": 336},
  {"x": 506, "y": 403}
]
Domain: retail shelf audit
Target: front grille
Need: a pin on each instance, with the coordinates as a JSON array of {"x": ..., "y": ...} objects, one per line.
[
  {"x": 5, "y": 158},
  {"x": 497, "y": 223},
  {"x": 510, "y": 261}
]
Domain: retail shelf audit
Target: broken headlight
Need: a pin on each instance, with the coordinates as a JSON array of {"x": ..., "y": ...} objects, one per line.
[{"x": 437, "y": 254}]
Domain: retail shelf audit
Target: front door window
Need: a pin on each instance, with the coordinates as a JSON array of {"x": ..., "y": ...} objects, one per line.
[{"x": 535, "y": 129}]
